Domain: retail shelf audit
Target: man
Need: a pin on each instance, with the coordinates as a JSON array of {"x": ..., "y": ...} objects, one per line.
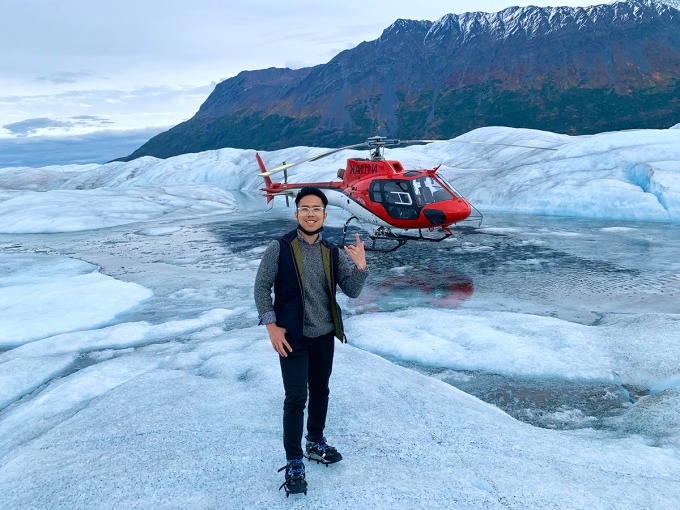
[{"x": 304, "y": 270}]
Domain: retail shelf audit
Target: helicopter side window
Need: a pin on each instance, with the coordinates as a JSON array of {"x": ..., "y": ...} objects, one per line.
[
  {"x": 398, "y": 200},
  {"x": 397, "y": 192}
]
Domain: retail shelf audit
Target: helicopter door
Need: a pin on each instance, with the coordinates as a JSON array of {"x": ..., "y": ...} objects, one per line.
[{"x": 396, "y": 197}]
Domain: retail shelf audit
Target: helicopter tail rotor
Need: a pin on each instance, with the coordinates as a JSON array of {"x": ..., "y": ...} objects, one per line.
[{"x": 285, "y": 181}]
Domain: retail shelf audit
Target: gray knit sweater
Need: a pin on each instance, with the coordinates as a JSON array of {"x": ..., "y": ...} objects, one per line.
[{"x": 318, "y": 318}]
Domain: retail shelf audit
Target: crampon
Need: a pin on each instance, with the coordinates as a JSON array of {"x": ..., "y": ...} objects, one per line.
[{"x": 295, "y": 482}]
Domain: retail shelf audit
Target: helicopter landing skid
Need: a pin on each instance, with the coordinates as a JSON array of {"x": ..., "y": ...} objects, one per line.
[{"x": 385, "y": 234}]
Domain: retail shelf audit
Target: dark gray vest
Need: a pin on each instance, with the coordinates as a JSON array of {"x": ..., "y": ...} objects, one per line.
[{"x": 289, "y": 286}]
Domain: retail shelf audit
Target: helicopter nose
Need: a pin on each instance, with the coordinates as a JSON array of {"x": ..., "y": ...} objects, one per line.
[{"x": 451, "y": 212}]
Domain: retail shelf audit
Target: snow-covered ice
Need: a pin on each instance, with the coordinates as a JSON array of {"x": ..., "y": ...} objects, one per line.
[
  {"x": 630, "y": 175},
  {"x": 132, "y": 374},
  {"x": 69, "y": 294}
]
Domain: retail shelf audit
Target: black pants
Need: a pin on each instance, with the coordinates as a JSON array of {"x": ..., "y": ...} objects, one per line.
[{"x": 309, "y": 364}]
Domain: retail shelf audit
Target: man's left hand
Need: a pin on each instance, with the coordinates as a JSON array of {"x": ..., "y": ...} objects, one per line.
[{"x": 357, "y": 253}]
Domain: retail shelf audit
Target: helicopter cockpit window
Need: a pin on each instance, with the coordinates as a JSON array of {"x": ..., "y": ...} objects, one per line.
[
  {"x": 429, "y": 191},
  {"x": 447, "y": 184}
]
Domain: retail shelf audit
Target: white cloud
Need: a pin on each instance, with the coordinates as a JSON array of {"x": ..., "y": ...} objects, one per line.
[
  {"x": 30, "y": 126},
  {"x": 33, "y": 126},
  {"x": 65, "y": 77}
]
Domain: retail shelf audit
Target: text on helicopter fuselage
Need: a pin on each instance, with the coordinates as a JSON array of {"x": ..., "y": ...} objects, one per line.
[{"x": 363, "y": 169}]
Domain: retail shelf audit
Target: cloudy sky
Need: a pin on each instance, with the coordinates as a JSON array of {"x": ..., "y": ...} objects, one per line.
[{"x": 91, "y": 80}]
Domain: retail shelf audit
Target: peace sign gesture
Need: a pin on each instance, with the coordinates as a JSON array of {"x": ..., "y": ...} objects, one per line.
[{"x": 357, "y": 253}]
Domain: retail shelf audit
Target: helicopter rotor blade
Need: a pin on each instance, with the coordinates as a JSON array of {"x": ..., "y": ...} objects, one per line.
[
  {"x": 506, "y": 145},
  {"x": 382, "y": 142},
  {"x": 401, "y": 142},
  {"x": 479, "y": 143},
  {"x": 285, "y": 166}
]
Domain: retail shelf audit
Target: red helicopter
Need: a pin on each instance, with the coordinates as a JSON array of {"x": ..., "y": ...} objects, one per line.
[{"x": 382, "y": 193}]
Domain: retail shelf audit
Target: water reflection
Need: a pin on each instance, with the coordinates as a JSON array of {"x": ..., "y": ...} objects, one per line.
[{"x": 413, "y": 291}]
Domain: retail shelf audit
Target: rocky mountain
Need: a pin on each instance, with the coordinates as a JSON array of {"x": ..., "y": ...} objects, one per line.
[{"x": 569, "y": 70}]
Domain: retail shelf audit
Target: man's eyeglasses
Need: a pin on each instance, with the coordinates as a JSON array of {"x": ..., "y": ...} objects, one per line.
[{"x": 317, "y": 209}]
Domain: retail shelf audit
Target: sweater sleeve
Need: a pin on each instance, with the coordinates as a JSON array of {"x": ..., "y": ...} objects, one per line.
[
  {"x": 264, "y": 282},
  {"x": 350, "y": 279}
]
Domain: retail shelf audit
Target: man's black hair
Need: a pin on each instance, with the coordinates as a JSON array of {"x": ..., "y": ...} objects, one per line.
[{"x": 311, "y": 190}]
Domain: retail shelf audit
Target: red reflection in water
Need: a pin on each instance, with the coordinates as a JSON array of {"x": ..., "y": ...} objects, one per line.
[{"x": 447, "y": 292}]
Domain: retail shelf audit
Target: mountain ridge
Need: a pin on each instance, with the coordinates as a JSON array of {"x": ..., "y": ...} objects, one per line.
[{"x": 575, "y": 70}]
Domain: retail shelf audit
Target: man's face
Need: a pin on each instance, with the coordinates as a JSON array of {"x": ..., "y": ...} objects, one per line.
[{"x": 310, "y": 213}]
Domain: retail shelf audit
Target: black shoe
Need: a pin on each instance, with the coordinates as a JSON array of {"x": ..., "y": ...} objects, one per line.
[
  {"x": 295, "y": 478},
  {"x": 322, "y": 452}
]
